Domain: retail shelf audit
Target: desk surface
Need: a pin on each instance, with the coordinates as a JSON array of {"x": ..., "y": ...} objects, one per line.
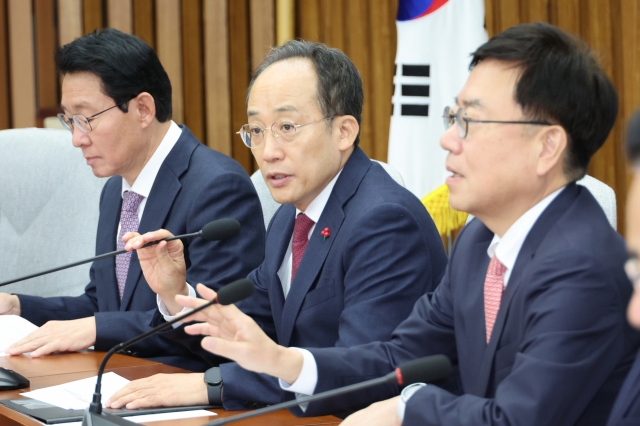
[{"x": 57, "y": 369}]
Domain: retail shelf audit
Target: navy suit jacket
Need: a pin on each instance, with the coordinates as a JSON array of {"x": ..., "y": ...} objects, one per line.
[
  {"x": 194, "y": 186},
  {"x": 356, "y": 286},
  {"x": 626, "y": 410},
  {"x": 560, "y": 348}
]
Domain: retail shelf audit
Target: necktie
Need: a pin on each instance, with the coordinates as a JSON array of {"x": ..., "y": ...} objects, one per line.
[
  {"x": 128, "y": 223},
  {"x": 300, "y": 240},
  {"x": 493, "y": 287}
]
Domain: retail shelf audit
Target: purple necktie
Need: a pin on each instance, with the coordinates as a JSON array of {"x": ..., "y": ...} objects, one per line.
[
  {"x": 128, "y": 223},
  {"x": 300, "y": 240}
]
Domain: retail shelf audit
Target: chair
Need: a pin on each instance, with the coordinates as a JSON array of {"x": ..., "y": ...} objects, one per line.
[
  {"x": 48, "y": 211},
  {"x": 269, "y": 205},
  {"x": 604, "y": 195}
]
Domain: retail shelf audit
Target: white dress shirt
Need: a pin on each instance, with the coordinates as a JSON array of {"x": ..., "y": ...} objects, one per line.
[
  {"x": 144, "y": 181},
  {"x": 506, "y": 249}
]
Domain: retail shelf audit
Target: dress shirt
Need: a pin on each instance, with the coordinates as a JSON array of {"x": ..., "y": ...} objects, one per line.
[
  {"x": 313, "y": 211},
  {"x": 505, "y": 248},
  {"x": 144, "y": 182}
]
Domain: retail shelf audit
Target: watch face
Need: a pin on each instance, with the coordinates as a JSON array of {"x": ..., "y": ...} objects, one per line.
[{"x": 213, "y": 377}]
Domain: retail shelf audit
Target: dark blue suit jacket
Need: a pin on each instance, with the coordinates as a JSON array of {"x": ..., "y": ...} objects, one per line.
[
  {"x": 356, "y": 286},
  {"x": 626, "y": 410},
  {"x": 194, "y": 186},
  {"x": 560, "y": 347}
]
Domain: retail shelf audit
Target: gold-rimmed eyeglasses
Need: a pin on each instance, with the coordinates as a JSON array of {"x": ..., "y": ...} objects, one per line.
[{"x": 284, "y": 131}]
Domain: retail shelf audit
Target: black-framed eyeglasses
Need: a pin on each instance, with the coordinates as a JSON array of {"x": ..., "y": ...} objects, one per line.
[
  {"x": 82, "y": 121},
  {"x": 284, "y": 130},
  {"x": 462, "y": 121}
]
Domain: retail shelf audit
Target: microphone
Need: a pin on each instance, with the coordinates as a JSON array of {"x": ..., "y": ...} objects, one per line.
[
  {"x": 231, "y": 293},
  {"x": 217, "y": 230},
  {"x": 429, "y": 369}
]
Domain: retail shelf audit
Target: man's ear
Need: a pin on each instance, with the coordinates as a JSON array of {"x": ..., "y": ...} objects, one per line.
[
  {"x": 145, "y": 106},
  {"x": 348, "y": 129},
  {"x": 553, "y": 144}
]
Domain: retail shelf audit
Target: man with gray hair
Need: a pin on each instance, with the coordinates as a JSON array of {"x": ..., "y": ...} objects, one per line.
[{"x": 348, "y": 253}]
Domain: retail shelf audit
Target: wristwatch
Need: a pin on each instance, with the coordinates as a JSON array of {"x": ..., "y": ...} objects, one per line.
[{"x": 213, "y": 380}]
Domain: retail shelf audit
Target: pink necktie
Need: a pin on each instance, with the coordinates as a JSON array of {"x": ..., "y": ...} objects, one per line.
[
  {"x": 128, "y": 223},
  {"x": 493, "y": 287},
  {"x": 300, "y": 240}
]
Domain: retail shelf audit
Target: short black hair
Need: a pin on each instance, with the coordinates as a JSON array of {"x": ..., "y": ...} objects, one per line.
[
  {"x": 125, "y": 64},
  {"x": 633, "y": 139},
  {"x": 339, "y": 89},
  {"x": 561, "y": 82}
]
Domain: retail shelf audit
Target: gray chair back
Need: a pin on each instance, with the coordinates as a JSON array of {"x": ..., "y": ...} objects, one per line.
[
  {"x": 269, "y": 205},
  {"x": 48, "y": 211}
]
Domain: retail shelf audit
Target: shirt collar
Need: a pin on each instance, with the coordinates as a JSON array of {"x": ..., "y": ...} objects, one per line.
[
  {"x": 315, "y": 208},
  {"x": 507, "y": 248},
  {"x": 147, "y": 176}
]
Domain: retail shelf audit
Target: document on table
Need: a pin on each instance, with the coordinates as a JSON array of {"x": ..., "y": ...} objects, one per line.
[
  {"x": 13, "y": 329},
  {"x": 144, "y": 418},
  {"x": 78, "y": 395}
]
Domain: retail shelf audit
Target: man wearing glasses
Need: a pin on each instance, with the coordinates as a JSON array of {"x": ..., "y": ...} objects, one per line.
[
  {"x": 348, "y": 253},
  {"x": 532, "y": 303},
  {"x": 116, "y": 99}
]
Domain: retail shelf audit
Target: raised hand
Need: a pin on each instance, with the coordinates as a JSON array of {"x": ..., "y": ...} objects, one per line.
[
  {"x": 236, "y": 336},
  {"x": 163, "y": 265}
]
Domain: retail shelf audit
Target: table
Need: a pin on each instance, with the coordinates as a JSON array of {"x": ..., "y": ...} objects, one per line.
[{"x": 62, "y": 368}]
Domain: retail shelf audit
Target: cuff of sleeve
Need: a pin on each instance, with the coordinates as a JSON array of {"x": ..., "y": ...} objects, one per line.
[
  {"x": 404, "y": 398},
  {"x": 306, "y": 382},
  {"x": 162, "y": 308}
]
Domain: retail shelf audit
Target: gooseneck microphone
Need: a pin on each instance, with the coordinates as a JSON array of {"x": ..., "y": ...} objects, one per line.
[
  {"x": 429, "y": 369},
  {"x": 231, "y": 293},
  {"x": 217, "y": 230}
]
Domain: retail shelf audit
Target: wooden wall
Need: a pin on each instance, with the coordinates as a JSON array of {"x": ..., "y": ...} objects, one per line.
[{"x": 209, "y": 48}]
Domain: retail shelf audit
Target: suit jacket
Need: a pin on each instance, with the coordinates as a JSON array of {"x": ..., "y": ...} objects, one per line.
[
  {"x": 194, "y": 186},
  {"x": 356, "y": 286},
  {"x": 560, "y": 347},
  {"x": 626, "y": 410}
]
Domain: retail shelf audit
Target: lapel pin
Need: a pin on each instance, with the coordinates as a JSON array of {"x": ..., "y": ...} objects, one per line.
[{"x": 325, "y": 233}]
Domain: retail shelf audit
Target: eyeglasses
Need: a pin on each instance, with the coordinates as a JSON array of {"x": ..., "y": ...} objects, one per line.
[
  {"x": 284, "y": 130},
  {"x": 462, "y": 121},
  {"x": 633, "y": 272},
  {"x": 82, "y": 121}
]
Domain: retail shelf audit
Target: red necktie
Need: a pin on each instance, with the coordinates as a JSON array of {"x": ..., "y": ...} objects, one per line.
[
  {"x": 493, "y": 287},
  {"x": 300, "y": 240}
]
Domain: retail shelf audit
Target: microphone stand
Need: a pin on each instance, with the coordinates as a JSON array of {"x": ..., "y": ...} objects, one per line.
[{"x": 236, "y": 291}]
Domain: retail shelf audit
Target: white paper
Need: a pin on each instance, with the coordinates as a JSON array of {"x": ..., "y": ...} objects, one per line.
[
  {"x": 159, "y": 417},
  {"x": 78, "y": 395},
  {"x": 13, "y": 329}
]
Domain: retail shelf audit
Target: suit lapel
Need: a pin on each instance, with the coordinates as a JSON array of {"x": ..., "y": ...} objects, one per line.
[
  {"x": 164, "y": 191},
  {"x": 110, "y": 219},
  {"x": 278, "y": 241},
  {"x": 318, "y": 248},
  {"x": 538, "y": 232}
]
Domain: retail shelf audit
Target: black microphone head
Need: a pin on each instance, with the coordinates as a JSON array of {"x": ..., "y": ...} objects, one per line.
[
  {"x": 424, "y": 370},
  {"x": 220, "y": 229},
  {"x": 235, "y": 292}
]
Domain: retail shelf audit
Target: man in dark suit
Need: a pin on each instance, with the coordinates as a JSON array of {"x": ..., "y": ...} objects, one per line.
[
  {"x": 532, "y": 303},
  {"x": 116, "y": 99},
  {"x": 626, "y": 410},
  {"x": 348, "y": 253}
]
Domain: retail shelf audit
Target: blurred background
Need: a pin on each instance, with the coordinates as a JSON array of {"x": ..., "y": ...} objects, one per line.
[{"x": 210, "y": 47}]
